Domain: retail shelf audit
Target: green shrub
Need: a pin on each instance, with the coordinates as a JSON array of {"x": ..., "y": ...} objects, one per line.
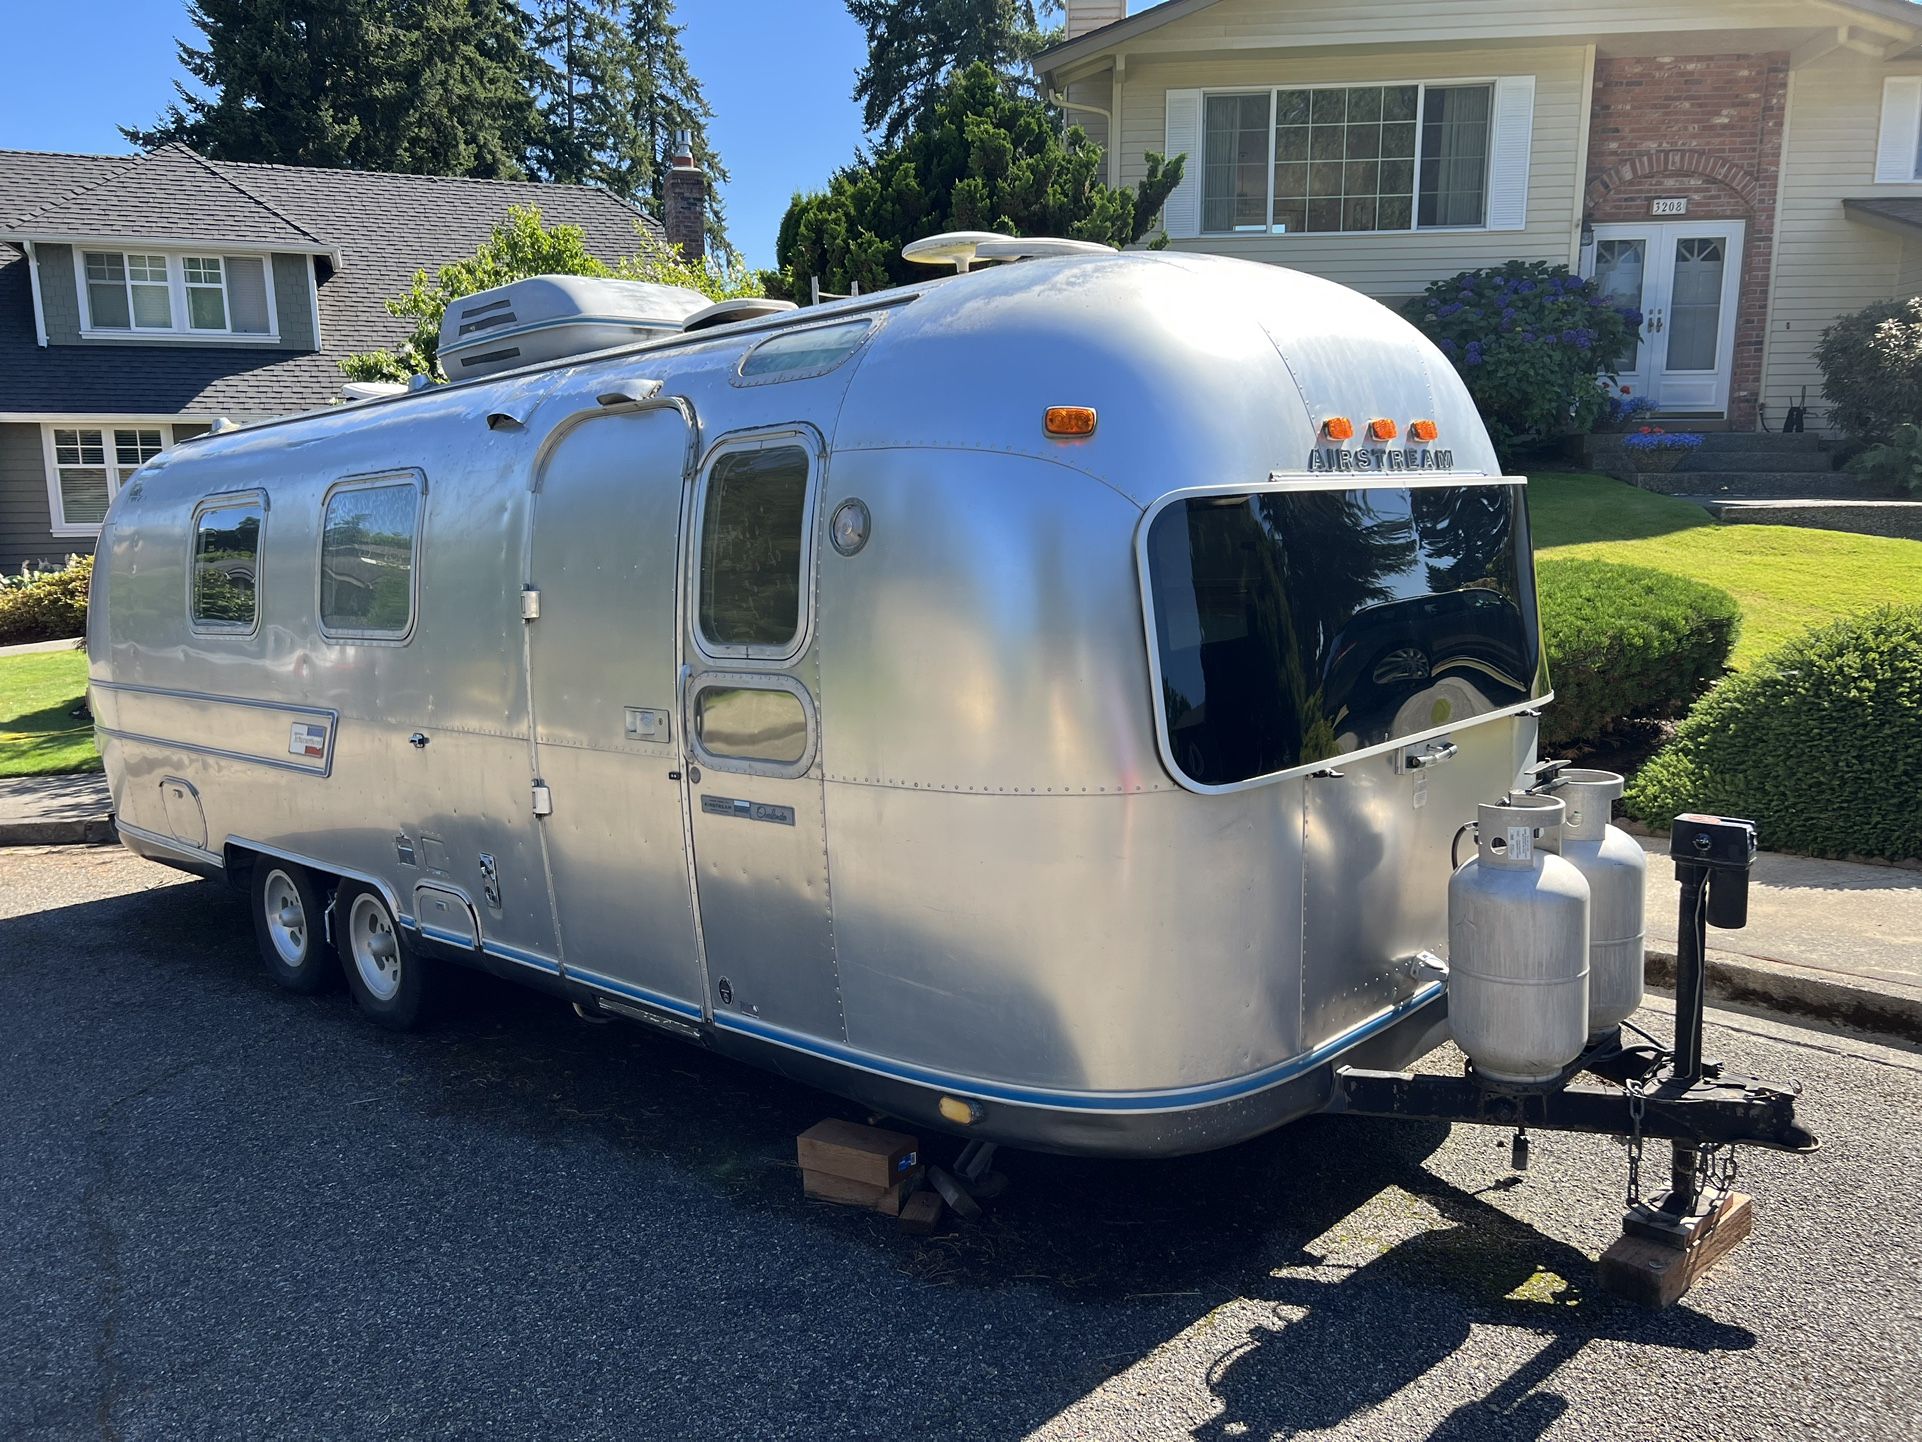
[
  {"x": 1895, "y": 463},
  {"x": 45, "y": 605},
  {"x": 1529, "y": 340},
  {"x": 1820, "y": 744},
  {"x": 1627, "y": 643},
  {"x": 1871, "y": 365}
]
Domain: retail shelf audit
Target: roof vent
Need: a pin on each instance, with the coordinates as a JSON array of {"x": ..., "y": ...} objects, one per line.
[
  {"x": 962, "y": 248},
  {"x": 552, "y": 317},
  {"x": 727, "y": 312}
]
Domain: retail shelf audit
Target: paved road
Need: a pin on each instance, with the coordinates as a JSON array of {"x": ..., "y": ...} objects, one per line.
[{"x": 230, "y": 1213}]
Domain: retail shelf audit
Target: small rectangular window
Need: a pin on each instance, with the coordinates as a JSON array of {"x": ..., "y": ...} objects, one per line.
[
  {"x": 753, "y": 548},
  {"x": 751, "y": 723},
  {"x": 206, "y": 292},
  {"x": 367, "y": 560},
  {"x": 227, "y": 566},
  {"x": 80, "y": 458},
  {"x": 247, "y": 312},
  {"x": 107, "y": 291}
]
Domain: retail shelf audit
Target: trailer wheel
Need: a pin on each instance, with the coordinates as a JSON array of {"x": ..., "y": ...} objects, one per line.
[
  {"x": 391, "y": 983},
  {"x": 290, "y": 928}
]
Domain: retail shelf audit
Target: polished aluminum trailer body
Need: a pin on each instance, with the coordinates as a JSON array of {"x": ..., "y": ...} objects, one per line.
[{"x": 974, "y": 867}]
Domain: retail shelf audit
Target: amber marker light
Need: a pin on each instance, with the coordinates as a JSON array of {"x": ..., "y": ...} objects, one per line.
[
  {"x": 1381, "y": 430},
  {"x": 1339, "y": 428},
  {"x": 1069, "y": 421},
  {"x": 1423, "y": 430}
]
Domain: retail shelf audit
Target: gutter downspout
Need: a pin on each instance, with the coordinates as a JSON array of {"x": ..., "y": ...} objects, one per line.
[
  {"x": 1060, "y": 98},
  {"x": 33, "y": 282}
]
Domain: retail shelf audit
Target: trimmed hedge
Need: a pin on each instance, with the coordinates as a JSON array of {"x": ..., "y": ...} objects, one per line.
[
  {"x": 1627, "y": 643},
  {"x": 45, "y": 605},
  {"x": 1820, "y": 744}
]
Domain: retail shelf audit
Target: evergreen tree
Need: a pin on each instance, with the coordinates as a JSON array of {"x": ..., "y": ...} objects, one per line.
[
  {"x": 435, "y": 87},
  {"x": 668, "y": 99},
  {"x": 584, "y": 85},
  {"x": 915, "y": 46},
  {"x": 984, "y": 160}
]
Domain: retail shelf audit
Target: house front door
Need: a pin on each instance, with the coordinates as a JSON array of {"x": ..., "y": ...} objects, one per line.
[{"x": 1683, "y": 277}]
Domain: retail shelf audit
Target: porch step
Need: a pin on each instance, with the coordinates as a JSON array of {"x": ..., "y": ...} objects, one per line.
[
  {"x": 1751, "y": 440},
  {"x": 1900, "y": 519},
  {"x": 1803, "y": 486}
]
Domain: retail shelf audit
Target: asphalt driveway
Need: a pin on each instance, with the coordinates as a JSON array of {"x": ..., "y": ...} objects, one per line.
[{"x": 226, "y": 1212}]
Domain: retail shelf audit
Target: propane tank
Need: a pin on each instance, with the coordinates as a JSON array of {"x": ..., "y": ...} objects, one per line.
[
  {"x": 1617, "y": 874},
  {"x": 1518, "y": 946}
]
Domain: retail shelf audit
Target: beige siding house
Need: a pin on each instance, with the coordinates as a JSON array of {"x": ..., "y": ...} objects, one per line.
[{"x": 1741, "y": 172}]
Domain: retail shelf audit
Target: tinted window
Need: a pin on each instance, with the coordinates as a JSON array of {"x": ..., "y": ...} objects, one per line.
[
  {"x": 805, "y": 352},
  {"x": 367, "y": 560},
  {"x": 1293, "y": 627},
  {"x": 751, "y": 723},
  {"x": 226, "y": 566},
  {"x": 753, "y": 534}
]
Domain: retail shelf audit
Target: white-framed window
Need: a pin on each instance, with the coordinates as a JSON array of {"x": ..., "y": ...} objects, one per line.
[
  {"x": 1331, "y": 159},
  {"x": 88, "y": 462},
  {"x": 229, "y": 297},
  {"x": 1347, "y": 158},
  {"x": 1898, "y": 149}
]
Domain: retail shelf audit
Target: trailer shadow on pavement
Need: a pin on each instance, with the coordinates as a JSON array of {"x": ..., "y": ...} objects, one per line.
[{"x": 590, "y": 1212}]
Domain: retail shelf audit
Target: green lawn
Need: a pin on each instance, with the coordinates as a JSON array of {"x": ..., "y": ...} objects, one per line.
[
  {"x": 1785, "y": 578},
  {"x": 37, "y": 735}
]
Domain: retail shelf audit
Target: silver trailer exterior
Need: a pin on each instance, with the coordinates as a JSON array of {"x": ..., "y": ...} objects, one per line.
[{"x": 788, "y": 686}]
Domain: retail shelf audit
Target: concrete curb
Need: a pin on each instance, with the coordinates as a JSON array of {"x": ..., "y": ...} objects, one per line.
[
  {"x": 1858, "y": 1003},
  {"x": 38, "y": 648},
  {"x": 64, "y": 831}
]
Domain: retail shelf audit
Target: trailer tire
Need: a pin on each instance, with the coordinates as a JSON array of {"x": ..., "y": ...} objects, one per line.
[
  {"x": 289, "y": 909},
  {"x": 392, "y": 983}
]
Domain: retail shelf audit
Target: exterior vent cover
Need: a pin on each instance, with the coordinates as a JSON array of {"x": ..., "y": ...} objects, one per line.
[{"x": 551, "y": 317}]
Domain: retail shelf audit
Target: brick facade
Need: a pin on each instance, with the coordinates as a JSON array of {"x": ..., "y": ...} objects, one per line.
[{"x": 1708, "y": 127}]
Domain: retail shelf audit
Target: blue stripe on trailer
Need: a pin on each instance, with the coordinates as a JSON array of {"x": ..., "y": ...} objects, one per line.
[{"x": 636, "y": 993}]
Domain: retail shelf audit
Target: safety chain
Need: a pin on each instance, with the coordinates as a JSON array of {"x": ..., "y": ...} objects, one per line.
[{"x": 1637, "y": 1103}]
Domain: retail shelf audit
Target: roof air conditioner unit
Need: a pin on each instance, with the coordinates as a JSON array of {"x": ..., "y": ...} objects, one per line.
[{"x": 552, "y": 317}]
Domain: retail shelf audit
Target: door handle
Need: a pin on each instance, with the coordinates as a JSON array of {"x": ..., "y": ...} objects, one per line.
[{"x": 418, "y": 741}]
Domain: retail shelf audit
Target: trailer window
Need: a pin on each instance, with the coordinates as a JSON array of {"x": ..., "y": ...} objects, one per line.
[
  {"x": 796, "y": 354},
  {"x": 367, "y": 560},
  {"x": 1292, "y": 627},
  {"x": 226, "y": 568},
  {"x": 754, "y": 521},
  {"x": 751, "y": 723}
]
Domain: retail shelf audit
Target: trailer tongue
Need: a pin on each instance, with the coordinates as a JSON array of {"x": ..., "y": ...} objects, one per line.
[{"x": 1636, "y": 1092}]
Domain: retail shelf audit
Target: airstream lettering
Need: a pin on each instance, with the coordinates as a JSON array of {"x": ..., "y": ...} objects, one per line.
[{"x": 964, "y": 698}]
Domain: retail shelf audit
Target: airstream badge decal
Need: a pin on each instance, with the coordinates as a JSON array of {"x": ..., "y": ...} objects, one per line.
[
  {"x": 747, "y": 810},
  {"x": 1380, "y": 458},
  {"x": 307, "y": 738}
]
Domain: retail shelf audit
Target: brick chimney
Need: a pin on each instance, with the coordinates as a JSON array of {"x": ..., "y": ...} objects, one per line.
[
  {"x": 685, "y": 201},
  {"x": 1086, "y": 15}
]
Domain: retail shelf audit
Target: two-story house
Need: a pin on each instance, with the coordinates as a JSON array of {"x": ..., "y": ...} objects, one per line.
[
  {"x": 1743, "y": 171},
  {"x": 143, "y": 297}
]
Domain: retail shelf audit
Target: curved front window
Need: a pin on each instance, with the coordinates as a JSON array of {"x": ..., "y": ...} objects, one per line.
[{"x": 1296, "y": 627}]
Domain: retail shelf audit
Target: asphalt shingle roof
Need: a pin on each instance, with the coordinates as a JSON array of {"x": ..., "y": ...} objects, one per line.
[{"x": 384, "y": 228}]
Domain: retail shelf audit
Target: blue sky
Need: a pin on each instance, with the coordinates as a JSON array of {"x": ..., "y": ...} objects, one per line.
[{"x": 777, "y": 72}]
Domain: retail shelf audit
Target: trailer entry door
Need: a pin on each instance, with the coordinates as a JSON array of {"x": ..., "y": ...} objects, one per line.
[
  {"x": 604, "y": 672},
  {"x": 760, "y": 845}
]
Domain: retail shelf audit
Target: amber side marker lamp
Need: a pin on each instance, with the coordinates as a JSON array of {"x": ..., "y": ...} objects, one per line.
[
  {"x": 1069, "y": 421},
  {"x": 1382, "y": 430},
  {"x": 1423, "y": 430},
  {"x": 1339, "y": 428}
]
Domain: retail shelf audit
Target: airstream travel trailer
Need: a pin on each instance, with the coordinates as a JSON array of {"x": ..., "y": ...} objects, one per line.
[{"x": 1041, "y": 701}]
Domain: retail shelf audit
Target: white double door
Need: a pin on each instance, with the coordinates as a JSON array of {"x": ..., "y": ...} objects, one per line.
[{"x": 1684, "y": 277}]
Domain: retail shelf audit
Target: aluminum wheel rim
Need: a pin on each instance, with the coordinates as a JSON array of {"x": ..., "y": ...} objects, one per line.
[
  {"x": 286, "y": 917},
  {"x": 376, "y": 949}
]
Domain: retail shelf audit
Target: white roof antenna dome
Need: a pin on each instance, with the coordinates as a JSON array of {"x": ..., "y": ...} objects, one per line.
[{"x": 962, "y": 248}]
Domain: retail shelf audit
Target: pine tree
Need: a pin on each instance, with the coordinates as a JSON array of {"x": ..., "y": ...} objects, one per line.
[
  {"x": 584, "y": 85},
  {"x": 429, "y": 86},
  {"x": 915, "y": 46},
  {"x": 667, "y": 99}
]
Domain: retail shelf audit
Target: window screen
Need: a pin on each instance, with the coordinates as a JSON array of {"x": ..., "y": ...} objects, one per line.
[
  {"x": 1292, "y": 627},
  {"x": 367, "y": 560},
  {"x": 753, "y": 541},
  {"x": 227, "y": 566},
  {"x": 751, "y": 723}
]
